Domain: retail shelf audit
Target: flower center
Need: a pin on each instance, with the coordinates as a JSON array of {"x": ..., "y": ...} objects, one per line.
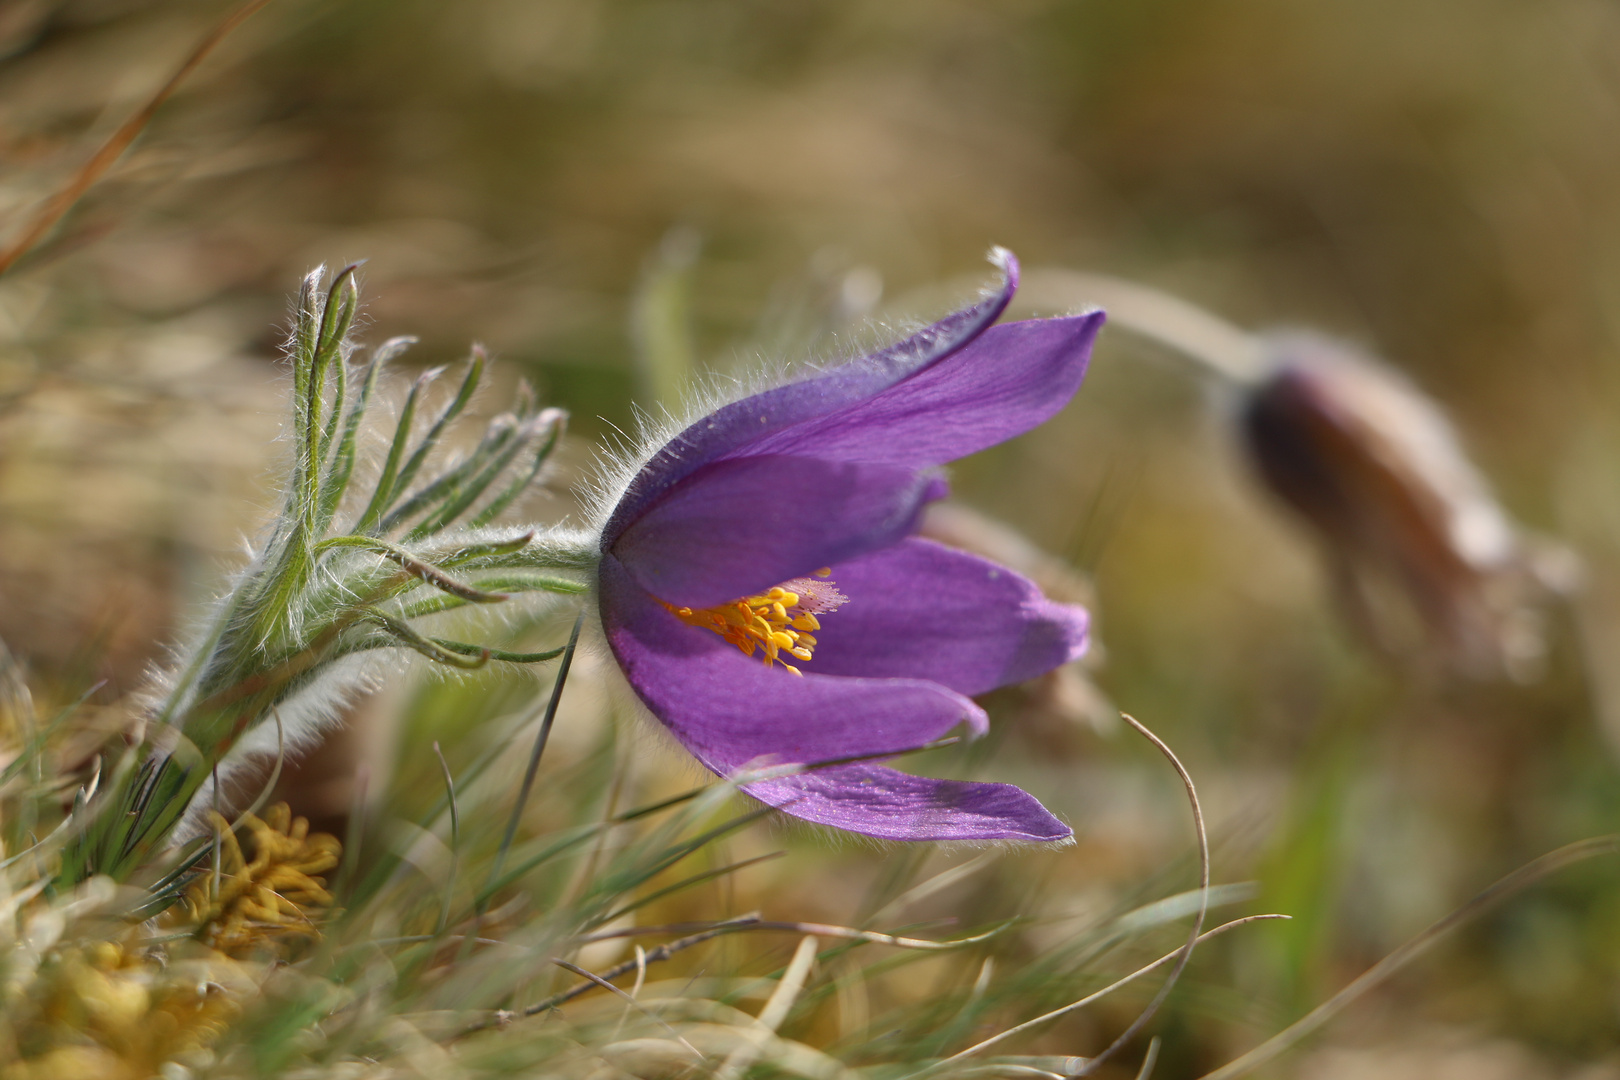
[{"x": 780, "y": 620}]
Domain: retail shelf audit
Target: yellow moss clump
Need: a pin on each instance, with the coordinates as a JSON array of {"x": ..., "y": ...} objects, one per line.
[
  {"x": 273, "y": 892},
  {"x": 109, "y": 1011},
  {"x": 122, "y": 1008}
]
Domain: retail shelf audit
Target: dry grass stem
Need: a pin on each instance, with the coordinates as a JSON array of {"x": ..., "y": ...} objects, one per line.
[
  {"x": 1093, "y": 998},
  {"x": 1203, "y": 902},
  {"x": 775, "y": 1011},
  {"x": 1526, "y": 875},
  {"x": 110, "y": 151}
]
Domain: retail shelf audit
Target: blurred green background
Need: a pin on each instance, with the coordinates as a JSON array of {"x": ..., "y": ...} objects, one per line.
[{"x": 752, "y": 181}]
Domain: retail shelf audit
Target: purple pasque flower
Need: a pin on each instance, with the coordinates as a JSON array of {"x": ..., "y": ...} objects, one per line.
[{"x": 763, "y": 593}]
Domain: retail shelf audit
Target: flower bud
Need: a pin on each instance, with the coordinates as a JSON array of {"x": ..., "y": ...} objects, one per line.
[
  {"x": 1419, "y": 551},
  {"x": 1067, "y": 695}
]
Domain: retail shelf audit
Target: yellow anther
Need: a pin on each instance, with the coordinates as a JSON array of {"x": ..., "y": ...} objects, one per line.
[
  {"x": 775, "y": 622},
  {"x": 824, "y": 572}
]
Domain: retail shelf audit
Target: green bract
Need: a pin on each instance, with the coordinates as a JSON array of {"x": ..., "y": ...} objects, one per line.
[{"x": 288, "y": 642}]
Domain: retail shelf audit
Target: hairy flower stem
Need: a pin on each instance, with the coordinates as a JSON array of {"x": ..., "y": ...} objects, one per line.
[{"x": 302, "y": 628}]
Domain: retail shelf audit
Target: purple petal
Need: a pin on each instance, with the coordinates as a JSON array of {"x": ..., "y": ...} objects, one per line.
[
  {"x": 891, "y": 805},
  {"x": 729, "y": 710},
  {"x": 1003, "y": 383},
  {"x": 925, "y": 611},
  {"x": 735, "y": 427},
  {"x": 734, "y": 528}
]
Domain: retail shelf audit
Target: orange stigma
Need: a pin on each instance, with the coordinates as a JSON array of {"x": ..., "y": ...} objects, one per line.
[{"x": 780, "y": 620}]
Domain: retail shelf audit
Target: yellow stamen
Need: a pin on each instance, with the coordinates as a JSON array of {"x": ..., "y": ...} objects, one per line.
[{"x": 777, "y": 622}]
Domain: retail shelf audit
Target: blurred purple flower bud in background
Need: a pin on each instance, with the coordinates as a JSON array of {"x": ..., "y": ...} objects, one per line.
[
  {"x": 1425, "y": 563},
  {"x": 1373, "y": 467},
  {"x": 777, "y": 531}
]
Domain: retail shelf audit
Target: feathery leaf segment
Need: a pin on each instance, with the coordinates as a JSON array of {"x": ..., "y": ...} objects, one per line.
[{"x": 293, "y": 630}]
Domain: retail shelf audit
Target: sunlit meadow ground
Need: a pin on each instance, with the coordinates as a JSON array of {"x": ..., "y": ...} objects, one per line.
[{"x": 1439, "y": 182}]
